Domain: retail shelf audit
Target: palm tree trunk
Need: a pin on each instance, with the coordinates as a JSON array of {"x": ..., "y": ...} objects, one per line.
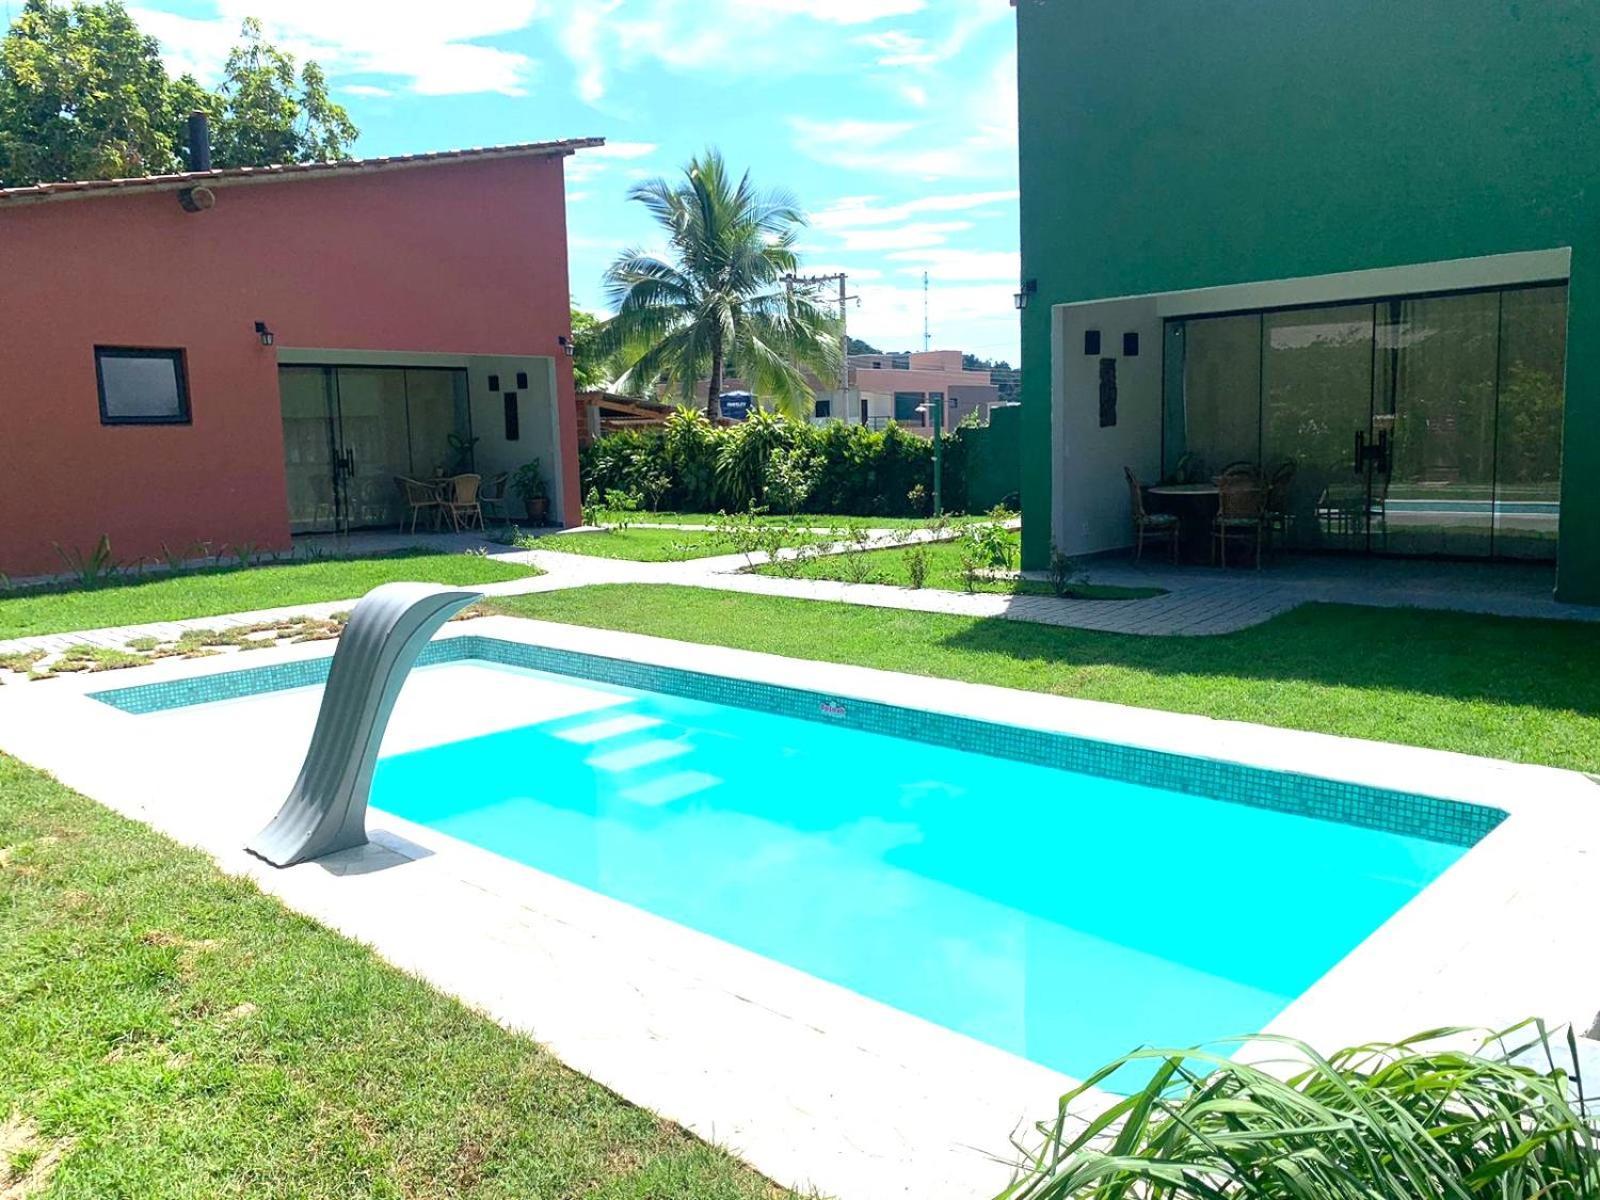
[{"x": 714, "y": 388}]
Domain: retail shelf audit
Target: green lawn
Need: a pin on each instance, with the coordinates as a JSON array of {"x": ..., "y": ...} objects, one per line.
[
  {"x": 945, "y": 572},
  {"x": 638, "y": 545},
  {"x": 171, "y": 1032},
  {"x": 815, "y": 520},
  {"x": 217, "y": 590},
  {"x": 1521, "y": 690}
]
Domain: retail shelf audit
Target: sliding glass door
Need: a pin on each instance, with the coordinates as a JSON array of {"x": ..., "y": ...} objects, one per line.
[
  {"x": 1316, "y": 401},
  {"x": 350, "y": 433},
  {"x": 1426, "y": 425}
]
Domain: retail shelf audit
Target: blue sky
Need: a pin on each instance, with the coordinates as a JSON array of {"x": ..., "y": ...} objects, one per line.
[{"x": 893, "y": 121}]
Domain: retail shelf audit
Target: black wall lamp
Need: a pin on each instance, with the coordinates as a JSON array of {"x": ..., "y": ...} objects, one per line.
[
  {"x": 567, "y": 347},
  {"x": 266, "y": 335},
  {"x": 1030, "y": 287}
]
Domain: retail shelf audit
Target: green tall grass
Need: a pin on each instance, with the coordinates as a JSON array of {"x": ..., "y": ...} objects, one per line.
[{"x": 1413, "y": 1120}]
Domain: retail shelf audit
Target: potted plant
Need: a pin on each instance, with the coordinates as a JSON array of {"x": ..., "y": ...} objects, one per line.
[{"x": 530, "y": 486}]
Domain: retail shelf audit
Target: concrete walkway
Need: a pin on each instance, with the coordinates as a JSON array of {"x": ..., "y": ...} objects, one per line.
[{"x": 1198, "y": 601}]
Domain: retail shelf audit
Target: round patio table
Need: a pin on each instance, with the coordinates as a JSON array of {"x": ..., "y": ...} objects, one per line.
[{"x": 1195, "y": 506}]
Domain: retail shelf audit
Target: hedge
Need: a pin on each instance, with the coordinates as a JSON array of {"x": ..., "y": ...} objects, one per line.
[{"x": 689, "y": 465}]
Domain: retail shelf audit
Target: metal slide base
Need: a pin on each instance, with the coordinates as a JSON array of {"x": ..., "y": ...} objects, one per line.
[{"x": 327, "y": 809}]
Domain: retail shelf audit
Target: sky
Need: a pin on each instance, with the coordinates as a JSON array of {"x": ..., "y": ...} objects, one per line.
[{"x": 893, "y": 122}]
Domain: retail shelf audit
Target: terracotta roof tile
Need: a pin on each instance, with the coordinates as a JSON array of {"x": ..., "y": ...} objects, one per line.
[{"x": 231, "y": 175}]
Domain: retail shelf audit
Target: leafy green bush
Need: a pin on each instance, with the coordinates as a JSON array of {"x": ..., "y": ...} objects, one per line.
[
  {"x": 690, "y": 465},
  {"x": 1414, "y": 1120}
]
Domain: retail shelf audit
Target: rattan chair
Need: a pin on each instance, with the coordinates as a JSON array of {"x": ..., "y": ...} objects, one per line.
[
  {"x": 492, "y": 497},
  {"x": 420, "y": 498},
  {"x": 459, "y": 501},
  {"x": 1149, "y": 526},
  {"x": 1279, "y": 519},
  {"x": 1241, "y": 515}
]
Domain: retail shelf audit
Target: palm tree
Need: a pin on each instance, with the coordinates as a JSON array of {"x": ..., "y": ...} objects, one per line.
[{"x": 720, "y": 296}]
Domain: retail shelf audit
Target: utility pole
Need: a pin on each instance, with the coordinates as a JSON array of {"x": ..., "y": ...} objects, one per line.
[
  {"x": 811, "y": 283},
  {"x": 927, "y": 338}
]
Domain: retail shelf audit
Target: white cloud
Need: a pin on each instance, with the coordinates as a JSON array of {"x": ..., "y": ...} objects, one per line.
[
  {"x": 964, "y": 266},
  {"x": 622, "y": 150},
  {"x": 969, "y": 133},
  {"x": 840, "y": 12},
  {"x": 897, "y": 48},
  {"x": 431, "y": 47},
  {"x": 978, "y": 318},
  {"x": 588, "y": 165},
  {"x": 365, "y": 89},
  {"x": 855, "y": 212},
  {"x": 769, "y": 39},
  {"x": 915, "y": 235}
]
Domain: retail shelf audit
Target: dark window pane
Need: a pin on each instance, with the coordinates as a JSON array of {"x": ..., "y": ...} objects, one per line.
[
  {"x": 1533, "y": 354},
  {"x": 141, "y": 386}
]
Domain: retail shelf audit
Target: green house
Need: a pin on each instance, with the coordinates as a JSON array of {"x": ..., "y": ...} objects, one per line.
[{"x": 1358, "y": 243}]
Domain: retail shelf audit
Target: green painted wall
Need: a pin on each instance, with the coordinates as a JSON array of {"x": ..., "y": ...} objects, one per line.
[
  {"x": 1171, "y": 144},
  {"x": 994, "y": 459}
]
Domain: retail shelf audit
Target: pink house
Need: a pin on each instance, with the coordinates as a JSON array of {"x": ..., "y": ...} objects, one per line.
[
  {"x": 902, "y": 388},
  {"x": 237, "y": 356}
]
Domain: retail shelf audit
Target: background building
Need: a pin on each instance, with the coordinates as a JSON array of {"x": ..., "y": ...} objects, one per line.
[{"x": 902, "y": 387}]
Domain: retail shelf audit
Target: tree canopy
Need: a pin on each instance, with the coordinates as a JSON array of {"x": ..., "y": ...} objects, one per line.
[
  {"x": 719, "y": 296},
  {"x": 84, "y": 95}
]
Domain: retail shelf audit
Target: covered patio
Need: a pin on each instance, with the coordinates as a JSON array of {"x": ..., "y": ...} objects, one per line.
[{"x": 1410, "y": 413}]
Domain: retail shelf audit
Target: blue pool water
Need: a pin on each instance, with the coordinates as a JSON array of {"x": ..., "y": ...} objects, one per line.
[{"x": 1062, "y": 916}]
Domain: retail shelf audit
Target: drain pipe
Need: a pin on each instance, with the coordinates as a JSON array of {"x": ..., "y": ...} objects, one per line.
[{"x": 327, "y": 808}]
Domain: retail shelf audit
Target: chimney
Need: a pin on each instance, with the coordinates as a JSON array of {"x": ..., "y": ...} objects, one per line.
[{"x": 199, "y": 142}]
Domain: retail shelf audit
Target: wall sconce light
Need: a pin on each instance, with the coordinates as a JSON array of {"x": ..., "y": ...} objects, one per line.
[
  {"x": 266, "y": 335},
  {"x": 1029, "y": 288},
  {"x": 566, "y": 346}
]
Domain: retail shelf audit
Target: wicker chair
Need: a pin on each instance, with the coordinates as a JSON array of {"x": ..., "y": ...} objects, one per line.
[
  {"x": 458, "y": 499},
  {"x": 492, "y": 498},
  {"x": 1278, "y": 518},
  {"x": 420, "y": 498},
  {"x": 1241, "y": 515},
  {"x": 1149, "y": 526}
]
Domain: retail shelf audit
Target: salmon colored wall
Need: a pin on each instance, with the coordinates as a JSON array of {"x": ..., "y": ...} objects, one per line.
[{"x": 462, "y": 258}]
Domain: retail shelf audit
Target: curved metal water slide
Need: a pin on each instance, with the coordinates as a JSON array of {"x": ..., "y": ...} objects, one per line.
[{"x": 327, "y": 808}]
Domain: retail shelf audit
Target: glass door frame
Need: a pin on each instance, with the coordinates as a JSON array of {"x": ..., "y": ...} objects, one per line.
[
  {"x": 1370, "y": 449},
  {"x": 341, "y": 455}
]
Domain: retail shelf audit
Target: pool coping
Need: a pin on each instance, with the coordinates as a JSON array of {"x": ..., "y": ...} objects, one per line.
[{"x": 873, "y": 1102}]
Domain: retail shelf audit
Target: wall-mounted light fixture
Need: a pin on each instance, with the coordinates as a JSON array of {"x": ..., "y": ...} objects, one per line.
[
  {"x": 266, "y": 335},
  {"x": 566, "y": 346},
  {"x": 1029, "y": 287}
]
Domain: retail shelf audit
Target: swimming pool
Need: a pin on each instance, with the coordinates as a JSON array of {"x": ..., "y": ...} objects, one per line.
[{"x": 1060, "y": 898}]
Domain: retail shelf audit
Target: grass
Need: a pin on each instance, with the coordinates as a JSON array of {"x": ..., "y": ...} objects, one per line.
[
  {"x": 134, "y": 600},
  {"x": 1513, "y": 689},
  {"x": 173, "y": 1033},
  {"x": 945, "y": 573},
  {"x": 815, "y": 520},
  {"x": 638, "y": 545}
]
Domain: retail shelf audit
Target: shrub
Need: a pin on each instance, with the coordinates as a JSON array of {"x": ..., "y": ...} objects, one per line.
[
  {"x": 774, "y": 462},
  {"x": 917, "y": 565},
  {"x": 1418, "y": 1118}
]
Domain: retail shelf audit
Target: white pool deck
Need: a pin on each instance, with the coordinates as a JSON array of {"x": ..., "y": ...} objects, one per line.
[{"x": 816, "y": 1086}]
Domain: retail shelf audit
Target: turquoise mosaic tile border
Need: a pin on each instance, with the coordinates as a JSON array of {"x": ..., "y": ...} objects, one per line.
[{"x": 1450, "y": 821}]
